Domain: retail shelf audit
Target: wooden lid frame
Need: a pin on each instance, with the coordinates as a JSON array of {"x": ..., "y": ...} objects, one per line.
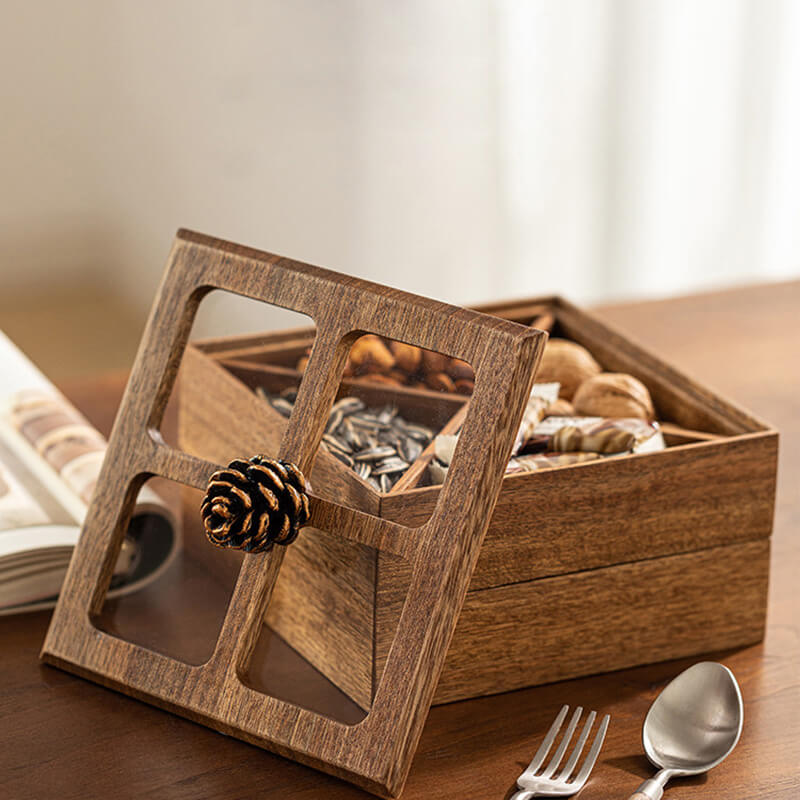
[{"x": 375, "y": 753}]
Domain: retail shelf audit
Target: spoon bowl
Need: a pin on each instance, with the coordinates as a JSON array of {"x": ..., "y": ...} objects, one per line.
[{"x": 692, "y": 725}]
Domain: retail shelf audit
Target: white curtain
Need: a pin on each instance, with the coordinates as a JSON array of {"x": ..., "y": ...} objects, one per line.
[{"x": 652, "y": 147}]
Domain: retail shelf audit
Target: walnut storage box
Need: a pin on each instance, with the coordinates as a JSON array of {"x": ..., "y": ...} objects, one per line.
[{"x": 584, "y": 569}]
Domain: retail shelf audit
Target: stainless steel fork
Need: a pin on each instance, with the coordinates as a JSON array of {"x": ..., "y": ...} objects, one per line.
[{"x": 551, "y": 780}]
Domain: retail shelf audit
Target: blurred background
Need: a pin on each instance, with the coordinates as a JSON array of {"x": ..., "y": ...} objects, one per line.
[{"x": 472, "y": 151}]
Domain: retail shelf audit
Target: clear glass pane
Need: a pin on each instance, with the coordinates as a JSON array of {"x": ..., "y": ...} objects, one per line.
[{"x": 171, "y": 587}]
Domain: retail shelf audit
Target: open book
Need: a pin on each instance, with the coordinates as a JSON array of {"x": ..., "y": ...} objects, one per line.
[{"x": 50, "y": 458}]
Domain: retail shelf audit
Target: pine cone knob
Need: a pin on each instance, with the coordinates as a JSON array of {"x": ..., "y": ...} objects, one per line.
[{"x": 251, "y": 505}]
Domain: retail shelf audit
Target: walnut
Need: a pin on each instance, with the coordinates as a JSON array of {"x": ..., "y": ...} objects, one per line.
[
  {"x": 614, "y": 394},
  {"x": 568, "y": 363}
]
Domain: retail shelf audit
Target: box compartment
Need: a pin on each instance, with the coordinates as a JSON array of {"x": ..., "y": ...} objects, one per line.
[{"x": 584, "y": 569}]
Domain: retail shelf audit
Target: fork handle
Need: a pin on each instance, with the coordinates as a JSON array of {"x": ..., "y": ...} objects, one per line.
[
  {"x": 639, "y": 796},
  {"x": 525, "y": 794}
]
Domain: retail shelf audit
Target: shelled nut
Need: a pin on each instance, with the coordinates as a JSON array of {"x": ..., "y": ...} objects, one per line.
[
  {"x": 433, "y": 362},
  {"x": 460, "y": 370},
  {"x": 440, "y": 382},
  {"x": 407, "y": 357},
  {"x": 370, "y": 351}
]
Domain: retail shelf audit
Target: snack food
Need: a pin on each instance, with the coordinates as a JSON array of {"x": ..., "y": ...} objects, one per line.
[
  {"x": 539, "y": 461},
  {"x": 614, "y": 394},
  {"x": 568, "y": 364}
]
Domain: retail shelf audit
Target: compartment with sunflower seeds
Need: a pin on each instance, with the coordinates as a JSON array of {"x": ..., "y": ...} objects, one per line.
[{"x": 636, "y": 510}]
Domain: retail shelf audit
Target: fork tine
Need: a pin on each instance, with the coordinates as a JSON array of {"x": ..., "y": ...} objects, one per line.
[
  {"x": 562, "y": 747},
  {"x": 581, "y": 777},
  {"x": 578, "y": 749},
  {"x": 541, "y": 753}
]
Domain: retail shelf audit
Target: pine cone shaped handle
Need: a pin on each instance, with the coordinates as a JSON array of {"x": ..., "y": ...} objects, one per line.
[{"x": 252, "y": 505}]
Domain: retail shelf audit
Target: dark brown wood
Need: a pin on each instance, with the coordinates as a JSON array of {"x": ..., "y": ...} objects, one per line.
[
  {"x": 63, "y": 737},
  {"x": 708, "y": 490},
  {"x": 377, "y": 753}
]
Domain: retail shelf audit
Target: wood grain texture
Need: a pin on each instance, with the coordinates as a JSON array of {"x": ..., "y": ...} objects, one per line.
[
  {"x": 206, "y": 427},
  {"x": 623, "y": 509},
  {"x": 377, "y": 752},
  {"x": 63, "y": 737},
  {"x": 707, "y": 491},
  {"x": 338, "y": 612},
  {"x": 606, "y": 619}
]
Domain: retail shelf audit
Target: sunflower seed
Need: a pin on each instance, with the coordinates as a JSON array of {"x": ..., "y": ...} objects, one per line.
[
  {"x": 334, "y": 420},
  {"x": 375, "y": 453},
  {"x": 343, "y": 457},
  {"x": 389, "y": 466},
  {"x": 353, "y": 438},
  {"x": 389, "y": 437},
  {"x": 365, "y": 419},
  {"x": 348, "y": 405},
  {"x": 282, "y": 406},
  {"x": 410, "y": 449},
  {"x": 387, "y": 414},
  {"x": 335, "y": 443},
  {"x": 377, "y": 443},
  {"x": 419, "y": 432}
]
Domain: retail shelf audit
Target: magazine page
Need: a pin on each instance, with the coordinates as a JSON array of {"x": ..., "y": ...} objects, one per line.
[{"x": 50, "y": 458}]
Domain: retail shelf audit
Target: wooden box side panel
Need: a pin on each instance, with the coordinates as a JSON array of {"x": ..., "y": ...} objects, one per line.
[
  {"x": 626, "y": 509},
  {"x": 323, "y": 605},
  {"x": 607, "y": 619}
]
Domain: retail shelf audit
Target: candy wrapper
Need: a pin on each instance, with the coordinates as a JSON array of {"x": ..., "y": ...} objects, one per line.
[{"x": 596, "y": 435}]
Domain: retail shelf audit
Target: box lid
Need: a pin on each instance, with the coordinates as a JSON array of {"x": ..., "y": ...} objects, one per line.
[{"x": 377, "y": 752}]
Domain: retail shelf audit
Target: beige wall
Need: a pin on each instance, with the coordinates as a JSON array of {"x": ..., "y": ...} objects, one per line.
[
  {"x": 336, "y": 133},
  {"x": 598, "y": 149}
]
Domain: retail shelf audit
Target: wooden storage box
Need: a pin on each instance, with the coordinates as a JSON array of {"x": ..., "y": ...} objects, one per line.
[{"x": 584, "y": 569}]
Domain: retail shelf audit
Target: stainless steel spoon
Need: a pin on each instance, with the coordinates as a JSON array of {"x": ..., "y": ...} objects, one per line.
[{"x": 692, "y": 725}]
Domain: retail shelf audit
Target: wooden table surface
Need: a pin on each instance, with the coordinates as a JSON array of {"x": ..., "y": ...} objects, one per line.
[{"x": 62, "y": 737}]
